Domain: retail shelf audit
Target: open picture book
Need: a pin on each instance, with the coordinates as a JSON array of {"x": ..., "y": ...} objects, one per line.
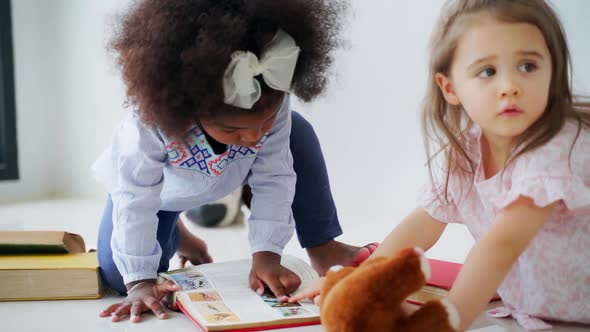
[{"x": 217, "y": 297}]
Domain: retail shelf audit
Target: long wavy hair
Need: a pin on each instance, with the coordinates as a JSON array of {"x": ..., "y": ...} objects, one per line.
[{"x": 444, "y": 125}]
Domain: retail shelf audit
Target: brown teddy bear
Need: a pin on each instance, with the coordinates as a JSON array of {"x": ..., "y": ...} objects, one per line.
[{"x": 369, "y": 297}]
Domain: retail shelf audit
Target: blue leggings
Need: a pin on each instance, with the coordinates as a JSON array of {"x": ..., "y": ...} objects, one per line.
[{"x": 316, "y": 221}]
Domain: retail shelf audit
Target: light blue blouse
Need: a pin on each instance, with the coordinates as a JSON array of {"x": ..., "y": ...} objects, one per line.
[{"x": 145, "y": 171}]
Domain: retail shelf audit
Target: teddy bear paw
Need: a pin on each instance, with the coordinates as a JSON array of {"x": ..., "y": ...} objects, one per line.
[
  {"x": 452, "y": 314},
  {"x": 424, "y": 265},
  {"x": 336, "y": 268}
]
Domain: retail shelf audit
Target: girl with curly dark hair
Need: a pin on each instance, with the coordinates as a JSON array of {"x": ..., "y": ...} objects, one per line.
[{"x": 209, "y": 81}]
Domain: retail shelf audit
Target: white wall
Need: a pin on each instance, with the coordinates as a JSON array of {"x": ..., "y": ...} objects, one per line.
[
  {"x": 369, "y": 125},
  {"x": 69, "y": 97},
  {"x": 93, "y": 94},
  {"x": 31, "y": 20},
  {"x": 368, "y": 121},
  {"x": 574, "y": 16}
]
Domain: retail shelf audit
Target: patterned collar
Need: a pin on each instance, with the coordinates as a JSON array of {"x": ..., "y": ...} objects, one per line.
[{"x": 196, "y": 153}]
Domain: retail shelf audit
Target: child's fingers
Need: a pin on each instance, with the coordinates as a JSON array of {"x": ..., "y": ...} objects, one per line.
[
  {"x": 317, "y": 300},
  {"x": 122, "y": 311},
  {"x": 136, "y": 309},
  {"x": 166, "y": 287},
  {"x": 276, "y": 287},
  {"x": 107, "y": 312},
  {"x": 290, "y": 282},
  {"x": 207, "y": 258},
  {"x": 372, "y": 246},
  {"x": 312, "y": 290},
  {"x": 155, "y": 306},
  {"x": 256, "y": 284},
  {"x": 182, "y": 262},
  {"x": 308, "y": 293},
  {"x": 202, "y": 258},
  {"x": 361, "y": 255}
]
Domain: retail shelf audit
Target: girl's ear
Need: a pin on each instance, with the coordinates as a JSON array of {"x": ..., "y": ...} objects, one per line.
[{"x": 446, "y": 87}]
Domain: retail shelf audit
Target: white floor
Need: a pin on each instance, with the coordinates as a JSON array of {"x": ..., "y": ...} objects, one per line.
[{"x": 82, "y": 217}]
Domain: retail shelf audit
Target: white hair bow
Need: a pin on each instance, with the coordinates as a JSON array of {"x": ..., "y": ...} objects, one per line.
[{"x": 277, "y": 65}]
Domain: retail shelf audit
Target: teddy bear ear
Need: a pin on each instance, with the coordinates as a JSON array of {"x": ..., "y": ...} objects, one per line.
[{"x": 334, "y": 275}]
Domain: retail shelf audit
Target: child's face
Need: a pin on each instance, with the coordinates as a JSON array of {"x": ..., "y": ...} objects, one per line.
[
  {"x": 500, "y": 75},
  {"x": 242, "y": 128}
]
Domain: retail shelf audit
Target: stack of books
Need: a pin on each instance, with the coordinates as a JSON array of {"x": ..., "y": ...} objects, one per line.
[{"x": 47, "y": 265}]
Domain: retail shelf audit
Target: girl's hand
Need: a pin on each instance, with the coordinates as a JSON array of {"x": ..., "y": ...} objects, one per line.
[
  {"x": 312, "y": 292},
  {"x": 267, "y": 270},
  {"x": 191, "y": 247},
  {"x": 144, "y": 296}
]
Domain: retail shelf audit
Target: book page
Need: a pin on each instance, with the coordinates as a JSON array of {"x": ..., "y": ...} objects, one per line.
[
  {"x": 299, "y": 267},
  {"x": 235, "y": 273},
  {"x": 241, "y": 306},
  {"x": 232, "y": 274},
  {"x": 219, "y": 294}
]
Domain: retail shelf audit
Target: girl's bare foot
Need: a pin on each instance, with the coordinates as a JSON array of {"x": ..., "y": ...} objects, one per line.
[
  {"x": 333, "y": 253},
  {"x": 191, "y": 248}
]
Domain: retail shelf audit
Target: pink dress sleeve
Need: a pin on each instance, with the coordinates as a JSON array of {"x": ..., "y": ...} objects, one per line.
[
  {"x": 548, "y": 174},
  {"x": 434, "y": 203}
]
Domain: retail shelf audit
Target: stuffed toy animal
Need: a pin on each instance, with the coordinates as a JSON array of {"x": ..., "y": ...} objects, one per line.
[{"x": 370, "y": 297}]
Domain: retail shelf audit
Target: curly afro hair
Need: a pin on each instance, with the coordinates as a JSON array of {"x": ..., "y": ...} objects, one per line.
[{"x": 173, "y": 53}]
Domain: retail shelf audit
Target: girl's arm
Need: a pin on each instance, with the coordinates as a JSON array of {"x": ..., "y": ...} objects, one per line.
[
  {"x": 493, "y": 255},
  {"x": 136, "y": 160},
  {"x": 271, "y": 222},
  {"x": 273, "y": 180},
  {"x": 418, "y": 229}
]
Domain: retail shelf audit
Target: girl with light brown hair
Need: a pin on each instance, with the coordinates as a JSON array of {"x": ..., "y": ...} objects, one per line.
[{"x": 508, "y": 150}]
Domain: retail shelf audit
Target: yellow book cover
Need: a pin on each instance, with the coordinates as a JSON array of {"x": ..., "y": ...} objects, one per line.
[
  {"x": 50, "y": 277},
  {"x": 49, "y": 261}
]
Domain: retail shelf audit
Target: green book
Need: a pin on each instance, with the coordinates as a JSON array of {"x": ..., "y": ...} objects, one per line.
[{"x": 40, "y": 242}]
